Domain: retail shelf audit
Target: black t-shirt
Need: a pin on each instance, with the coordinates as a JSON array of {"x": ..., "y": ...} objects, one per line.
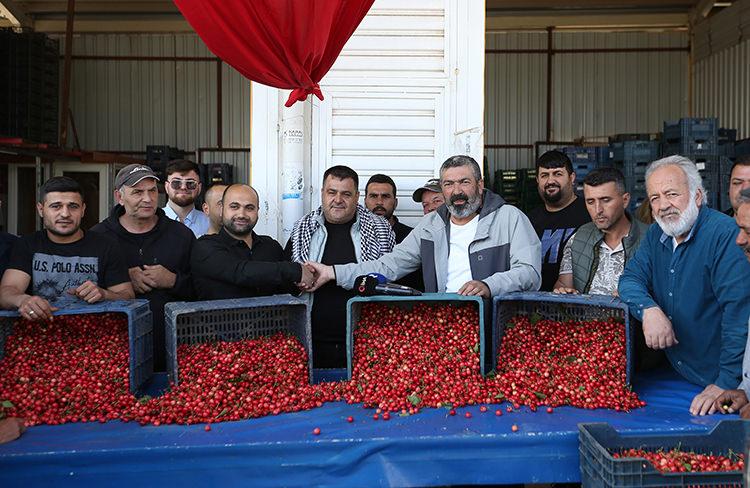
[
  {"x": 6, "y": 246},
  {"x": 56, "y": 268},
  {"x": 554, "y": 229},
  {"x": 328, "y": 314}
]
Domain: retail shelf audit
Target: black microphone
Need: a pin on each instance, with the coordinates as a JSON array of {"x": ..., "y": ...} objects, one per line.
[{"x": 368, "y": 285}]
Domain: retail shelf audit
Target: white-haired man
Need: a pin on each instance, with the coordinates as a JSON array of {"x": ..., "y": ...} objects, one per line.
[{"x": 688, "y": 283}]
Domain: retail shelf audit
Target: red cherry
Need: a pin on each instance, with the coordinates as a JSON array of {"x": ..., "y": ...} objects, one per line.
[{"x": 316, "y": 431}]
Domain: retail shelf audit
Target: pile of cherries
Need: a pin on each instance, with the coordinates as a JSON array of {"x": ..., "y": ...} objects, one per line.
[
  {"x": 679, "y": 461},
  {"x": 75, "y": 369}
]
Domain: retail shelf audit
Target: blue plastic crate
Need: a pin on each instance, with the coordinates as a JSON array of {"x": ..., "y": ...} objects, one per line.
[
  {"x": 552, "y": 306},
  {"x": 599, "y": 469},
  {"x": 354, "y": 311},
  {"x": 742, "y": 147},
  {"x": 634, "y": 153},
  {"x": 695, "y": 129},
  {"x": 140, "y": 332},
  {"x": 234, "y": 320}
]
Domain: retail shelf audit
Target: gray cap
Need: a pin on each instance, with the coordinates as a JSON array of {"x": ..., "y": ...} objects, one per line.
[
  {"x": 131, "y": 174},
  {"x": 433, "y": 184}
]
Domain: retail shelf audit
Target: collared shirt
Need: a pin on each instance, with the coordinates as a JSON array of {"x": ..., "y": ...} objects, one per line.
[
  {"x": 195, "y": 220},
  {"x": 225, "y": 267},
  {"x": 608, "y": 270},
  {"x": 702, "y": 287}
]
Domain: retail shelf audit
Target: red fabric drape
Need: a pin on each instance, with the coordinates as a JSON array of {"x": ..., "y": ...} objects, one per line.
[{"x": 289, "y": 44}]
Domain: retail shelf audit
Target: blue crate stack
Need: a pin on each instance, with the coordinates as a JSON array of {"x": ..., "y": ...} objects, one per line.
[
  {"x": 698, "y": 140},
  {"x": 632, "y": 157}
]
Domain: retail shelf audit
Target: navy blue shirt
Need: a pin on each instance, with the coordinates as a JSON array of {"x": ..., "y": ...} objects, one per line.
[{"x": 703, "y": 286}]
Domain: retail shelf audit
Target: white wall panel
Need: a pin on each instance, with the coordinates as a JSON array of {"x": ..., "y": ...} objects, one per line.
[{"x": 722, "y": 88}]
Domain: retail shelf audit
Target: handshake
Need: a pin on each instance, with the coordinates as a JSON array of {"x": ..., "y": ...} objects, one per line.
[{"x": 314, "y": 275}]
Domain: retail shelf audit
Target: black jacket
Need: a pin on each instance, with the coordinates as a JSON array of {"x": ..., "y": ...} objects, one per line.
[
  {"x": 169, "y": 243},
  {"x": 6, "y": 246},
  {"x": 224, "y": 267}
]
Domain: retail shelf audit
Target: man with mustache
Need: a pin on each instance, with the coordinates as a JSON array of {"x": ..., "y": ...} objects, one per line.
[
  {"x": 595, "y": 256},
  {"x": 62, "y": 261},
  {"x": 339, "y": 231},
  {"x": 380, "y": 199},
  {"x": 156, "y": 248},
  {"x": 737, "y": 400},
  {"x": 739, "y": 179},
  {"x": 237, "y": 262},
  {"x": 687, "y": 283},
  {"x": 474, "y": 245},
  {"x": 560, "y": 216},
  {"x": 183, "y": 186}
]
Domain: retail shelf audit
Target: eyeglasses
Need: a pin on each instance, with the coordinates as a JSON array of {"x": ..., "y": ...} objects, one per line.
[{"x": 176, "y": 184}]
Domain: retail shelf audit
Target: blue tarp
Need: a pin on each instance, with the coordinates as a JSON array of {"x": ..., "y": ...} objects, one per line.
[{"x": 430, "y": 448}]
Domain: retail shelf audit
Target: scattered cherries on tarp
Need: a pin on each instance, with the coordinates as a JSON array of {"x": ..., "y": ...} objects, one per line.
[{"x": 75, "y": 369}]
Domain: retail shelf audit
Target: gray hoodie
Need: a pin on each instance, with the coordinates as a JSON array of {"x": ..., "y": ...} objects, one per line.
[{"x": 505, "y": 253}]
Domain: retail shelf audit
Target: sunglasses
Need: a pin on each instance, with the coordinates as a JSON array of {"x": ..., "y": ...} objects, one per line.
[{"x": 176, "y": 184}]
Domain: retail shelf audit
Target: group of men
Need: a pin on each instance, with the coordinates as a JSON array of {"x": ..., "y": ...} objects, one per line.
[{"x": 684, "y": 278}]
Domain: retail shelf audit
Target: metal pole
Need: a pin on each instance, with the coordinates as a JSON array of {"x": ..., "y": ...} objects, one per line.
[{"x": 66, "y": 74}]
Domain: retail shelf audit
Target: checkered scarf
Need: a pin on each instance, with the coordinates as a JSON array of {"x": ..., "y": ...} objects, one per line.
[{"x": 376, "y": 235}]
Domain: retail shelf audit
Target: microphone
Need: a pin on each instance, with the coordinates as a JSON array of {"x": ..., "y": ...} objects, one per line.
[{"x": 368, "y": 285}]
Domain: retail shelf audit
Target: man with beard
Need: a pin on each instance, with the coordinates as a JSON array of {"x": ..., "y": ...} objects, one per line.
[
  {"x": 560, "y": 216},
  {"x": 183, "y": 186},
  {"x": 739, "y": 179},
  {"x": 237, "y": 262},
  {"x": 687, "y": 283},
  {"x": 212, "y": 207},
  {"x": 474, "y": 245},
  {"x": 380, "y": 199},
  {"x": 337, "y": 232},
  {"x": 156, "y": 249},
  {"x": 737, "y": 400},
  {"x": 62, "y": 261},
  {"x": 595, "y": 256}
]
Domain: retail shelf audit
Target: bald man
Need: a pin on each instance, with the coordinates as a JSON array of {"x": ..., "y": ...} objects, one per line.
[
  {"x": 237, "y": 262},
  {"x": 212, "y": 207}
]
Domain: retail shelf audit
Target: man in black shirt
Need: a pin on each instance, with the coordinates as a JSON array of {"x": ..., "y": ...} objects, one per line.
[
  {"x": 237, "y": 262},
  {"x": 6, "y": 245},
  {"x": 560, "y": 216},
  {"x": 380, "y": 199},
  {"x": 156, "y": 248},
  {"x": 337, "y": 232},
  {"x": 62, "y": 261}
]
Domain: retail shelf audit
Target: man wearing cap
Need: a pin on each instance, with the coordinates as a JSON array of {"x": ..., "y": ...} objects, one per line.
[
  {"x": 430, "y": 195},
  {"x": 62, "y": 262},
  {"x": 156, "y": 248}
]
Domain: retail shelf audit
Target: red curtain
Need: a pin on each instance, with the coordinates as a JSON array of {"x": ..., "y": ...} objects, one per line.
[{"x": 289, "y": 44}]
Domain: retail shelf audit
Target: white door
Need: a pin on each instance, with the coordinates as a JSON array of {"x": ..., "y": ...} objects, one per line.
[{"x": 406, "y": 92}]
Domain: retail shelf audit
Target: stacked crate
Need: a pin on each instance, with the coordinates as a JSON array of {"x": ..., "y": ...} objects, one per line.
[
  {"x": 698, "y": 140},
  {"x": 632, "y": 157},
  {"x": 518, "y": 187},
  {"x": 29, "y": 86},
  {"x": 585, "y": 160}
]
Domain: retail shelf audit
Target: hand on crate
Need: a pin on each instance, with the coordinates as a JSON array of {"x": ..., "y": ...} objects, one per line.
[
  {"x": 565, "y": 291},
  {"x": 11, "y": 429},
  {"x": 137, "y": 277},
  {"x": 731, "y": 401},
  {"x": 88, "y": 292},
  {"x": 705, "y": 401},
  {"x": 323, "y": 274},
  {"x": 657, "y": 329},
  {"x": 475, "y": 288},
  {"x": 36, "y": 308}
]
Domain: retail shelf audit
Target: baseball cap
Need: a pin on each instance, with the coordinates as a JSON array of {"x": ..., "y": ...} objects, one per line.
[
  {"x": 433, "y": 184},
  {"x": 131, "y": 174}
]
